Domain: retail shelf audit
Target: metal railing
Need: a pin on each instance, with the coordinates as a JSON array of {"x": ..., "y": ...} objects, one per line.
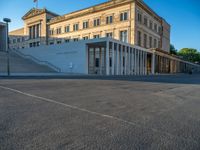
[{"x": 37, "y": 60}]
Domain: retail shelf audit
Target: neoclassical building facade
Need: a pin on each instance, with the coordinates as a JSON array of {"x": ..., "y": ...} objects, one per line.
[
  {"x": 130, "y": 21},
  {"x": 118, "y": 37}
]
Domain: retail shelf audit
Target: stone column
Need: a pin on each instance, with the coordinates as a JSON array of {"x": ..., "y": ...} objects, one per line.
[
  {"x": 100, "y": 61},
  {"x": 117, "y": 59},
  {"x": 136, "y": 60},
  {"x": 121, "y": 61},
  {"x": 140, "y": 62},
  {"x": 107, "y": 59},
  {"x": 125, "y": 65},
  {"x": 153, "y": 63},
  {"x": 129, "y": 61},
  {"x": 146, "y": 63},
  {"x": 113, "y": 58}
]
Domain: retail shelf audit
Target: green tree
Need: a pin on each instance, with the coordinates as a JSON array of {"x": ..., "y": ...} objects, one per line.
[
  {"x": 173, "y": 50},
  {"x": 190, "y": 54}
]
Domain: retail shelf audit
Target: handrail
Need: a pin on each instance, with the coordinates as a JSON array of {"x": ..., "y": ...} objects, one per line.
[{"x": 38, "y": 61}]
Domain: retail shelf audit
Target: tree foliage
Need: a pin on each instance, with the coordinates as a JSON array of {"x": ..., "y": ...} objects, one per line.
[
  {"x": 190, "y": 54},
  {"x": 173, "y": 50}
]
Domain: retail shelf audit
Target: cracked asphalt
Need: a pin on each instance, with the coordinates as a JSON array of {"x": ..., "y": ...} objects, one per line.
[{"x": 103, "y": 113}]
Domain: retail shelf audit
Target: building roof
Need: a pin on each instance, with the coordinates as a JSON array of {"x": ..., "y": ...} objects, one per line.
[
  {"x": 2, "y": 24},
  {"x": 17, "y": 32}
]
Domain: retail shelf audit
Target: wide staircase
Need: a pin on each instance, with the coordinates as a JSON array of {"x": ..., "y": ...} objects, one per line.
[{"x": 19, "y": 64}]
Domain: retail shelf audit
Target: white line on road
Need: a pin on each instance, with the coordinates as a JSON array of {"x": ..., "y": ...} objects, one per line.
[{"x": 92, "y": 112}]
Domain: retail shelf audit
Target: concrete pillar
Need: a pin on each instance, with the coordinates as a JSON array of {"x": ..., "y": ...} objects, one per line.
[
  {"x": 100, "y": 61},
  {"x": 121, "y": 61},
  {"x": 140, "y": 62},
  {"x": 107, "y": 59},
  {"x": 125, "y": 65},
  {"x": 136, "y": 61},
  {"x": 129, "y": 61},
  {"x": 145, "y": 63},
  {"x": 113, "y": 58},
  {"x": 153, "y": 64},
  {"x": 134, "y": 57},
  {"x": 117, "y": 59}
]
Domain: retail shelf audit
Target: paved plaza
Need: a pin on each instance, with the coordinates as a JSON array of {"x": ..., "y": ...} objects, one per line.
[{"x": 92, "y": 112}]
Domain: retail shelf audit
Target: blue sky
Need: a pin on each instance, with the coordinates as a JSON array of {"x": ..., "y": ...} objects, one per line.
[{"x": 183, "y": 15}]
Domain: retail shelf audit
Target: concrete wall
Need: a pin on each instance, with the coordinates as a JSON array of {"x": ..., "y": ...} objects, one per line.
[
  {"x": 3, "y": 37},
  {"x": 69, "y": 57}
]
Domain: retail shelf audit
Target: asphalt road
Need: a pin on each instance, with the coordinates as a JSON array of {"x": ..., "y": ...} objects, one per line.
[{"x": 118, "y": 113}]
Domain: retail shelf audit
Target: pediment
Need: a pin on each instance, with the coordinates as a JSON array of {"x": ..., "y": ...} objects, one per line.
[{"x": 33, "y": 12}]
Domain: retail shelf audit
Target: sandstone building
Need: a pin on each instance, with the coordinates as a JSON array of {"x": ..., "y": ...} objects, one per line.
[{"x": 129, "y": 22}]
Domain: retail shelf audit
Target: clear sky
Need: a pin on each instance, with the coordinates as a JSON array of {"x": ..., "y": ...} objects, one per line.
[{"x": 182, "y": 15}]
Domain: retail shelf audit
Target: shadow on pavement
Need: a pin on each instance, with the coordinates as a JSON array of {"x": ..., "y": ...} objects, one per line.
[{"x": 176, "y": 79}]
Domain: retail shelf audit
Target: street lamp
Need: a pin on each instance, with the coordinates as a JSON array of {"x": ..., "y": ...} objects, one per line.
[{"x": 7, "y": 20}]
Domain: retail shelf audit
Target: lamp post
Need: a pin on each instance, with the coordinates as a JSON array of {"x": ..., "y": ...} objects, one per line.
[{"x": 7, "y": 20}]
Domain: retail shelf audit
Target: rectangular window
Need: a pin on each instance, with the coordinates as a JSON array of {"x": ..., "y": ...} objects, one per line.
[
  {"x": 145, "y": 40},
  {"x": 58, "y": 31},
  {"x": 38, "y": 44},
  {"x": 139, "y": 38},
  {"x": 76, "y": 27},
  {"x": 30, "y": 45},
  {"x": 67, "y": 40},
  {"x": 59, "y": 42},
  {"x": 96, "y": 36},
  {"x": 109, "y": 34},
  {"x": 124, "y": 36},
  {"x": 85, "y": 38},
  {"x": 151, "y": 25},
  {"x": 85, "y": 24},
  {"x": 110, "y": 62},
  {"x": 23, "y": 39},
  {"x": 67, "y": 29},
  {"x": 76, "y": 39},
  {"x": 97, "y": 62},
  {"x": 14, "y": 40},
  {"x": 145, "y": 21},
  {"x": 155, "y": 43},
  {"x": 51, "y": 31},
  {"x": 155, "y": 27},
  {"x": 150, "y": 42},
  {"x": 96, "y": 22},
  {"x": 18, "y": 40},
  {"x": 124, "y": 16},
  {"x": 139, "y": 18},
  {"x": 109, "y": 19}
]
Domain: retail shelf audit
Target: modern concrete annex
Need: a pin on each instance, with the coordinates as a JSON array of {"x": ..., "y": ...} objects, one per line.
[{"x": 137, "y": 42}]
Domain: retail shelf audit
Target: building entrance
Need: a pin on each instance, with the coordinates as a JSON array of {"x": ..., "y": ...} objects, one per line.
[{"x": 96, "y": 61}]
